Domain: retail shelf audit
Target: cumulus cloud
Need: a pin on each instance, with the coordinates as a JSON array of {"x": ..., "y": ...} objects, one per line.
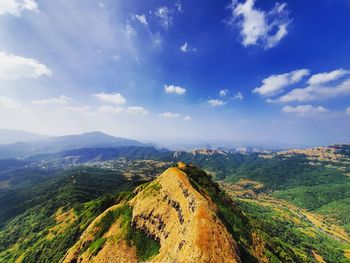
[
  {"x": 216, "y": 102},
  {"x": 63, "y": 99},
  {"x": 223, "y": 92},
  {"x": 135, "y": 110},
  {"x": 12, "y": 66},
  {"x": 174, "y": 89},
  {"x": 258, "y": 27},
  {"x": 16, "y": 7},
  {"x": 316, "y": 92},
  {"x": 276, "y": 83},
  {"x": 304, "y": 109},
  {"x": 169, "y": 115},
  {"x": 115, "y": 98},
  {"x": 163, "y": 13},
  {"x": 325, "y": 77}
]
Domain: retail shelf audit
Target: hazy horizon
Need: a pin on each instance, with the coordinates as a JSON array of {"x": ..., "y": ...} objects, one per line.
[{"x": 178, "y": 72}]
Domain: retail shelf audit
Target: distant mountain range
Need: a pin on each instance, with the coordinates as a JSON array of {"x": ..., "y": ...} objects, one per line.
[
  {"x": 64, "y": 143},
  {"x": 14, "y": 136}
]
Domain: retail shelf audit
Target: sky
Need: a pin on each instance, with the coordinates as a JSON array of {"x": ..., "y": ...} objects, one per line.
[{"x": 257, "y": 72}]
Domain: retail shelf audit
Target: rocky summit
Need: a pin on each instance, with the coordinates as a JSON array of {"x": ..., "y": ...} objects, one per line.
[{"x": 181, "y": 223}]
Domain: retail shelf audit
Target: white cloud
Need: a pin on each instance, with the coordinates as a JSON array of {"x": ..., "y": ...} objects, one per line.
[
  {"x": 156, "y": 39},
  {"x": 169, "y": 115},
  {"x": 53, "y": 101},
  {"x": 134, "y": 110},
  {"x": 187, "y": 118},
  {"x": 304, "y": 109},
  {"x": 16, "y": 7},
  {"x": 275, "y": 83},
  {"x": 76, "y": 109},
  {"x": 174, "y": 89},
  {"x": 184, "y": 47},
  {"x": 164, "y": 16},
  {"x": 142, "y": 19},
  {"x": 12, "y": 66},
  {"x": 347, "y": 111},
  {"x": 216, "y": 103},
  {"x": 178, "y": 6},
  {"x": 258, "y": 27},
  {"x": 110, "y": 109},
  {"x": 311, "y": 93},
  {"x": 223, "y": 92},
  {"x": 115, "y": 98},
  {"x": 238, "y": 96},
  {"x": 322, "y": 78},
  {"x": 11, "y": 105}
]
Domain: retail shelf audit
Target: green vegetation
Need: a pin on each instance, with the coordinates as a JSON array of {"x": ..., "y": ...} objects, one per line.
[
  {"x": 31, "y": 216},
  {"x": 291, "y": 238},
  {"x": 285, "y": 240},
  {"x": 146, "y": 247}
]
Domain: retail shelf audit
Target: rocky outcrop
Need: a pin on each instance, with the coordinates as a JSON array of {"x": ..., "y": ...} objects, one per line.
[
  {"x": 184, "y": 221},
  {"x": 170, "y": 211}
]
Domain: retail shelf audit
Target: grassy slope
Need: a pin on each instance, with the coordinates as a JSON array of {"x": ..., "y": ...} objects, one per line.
[
  {"x": 87, "y": 191},
  {"x": 288, "y": 236}
]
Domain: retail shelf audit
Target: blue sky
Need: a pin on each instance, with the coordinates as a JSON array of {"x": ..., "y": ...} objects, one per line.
[{"x": 257, "y": 72}]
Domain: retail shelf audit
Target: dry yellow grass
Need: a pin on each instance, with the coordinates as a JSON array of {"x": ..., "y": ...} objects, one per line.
[
  {"x": 63, "y": 221},
  {"x": 318, "y": 257}
]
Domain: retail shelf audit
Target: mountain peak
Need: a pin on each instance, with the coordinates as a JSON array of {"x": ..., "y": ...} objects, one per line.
[
  {"x": 169, "y": 210},
  {"x": 183, "y": 220}
]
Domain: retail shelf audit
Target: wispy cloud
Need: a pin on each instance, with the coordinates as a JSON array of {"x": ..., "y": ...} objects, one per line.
[
  {"x": 276, "y": 83},
  {"x": 304, "y": 110},
  {"x": 258, "y": 27},
  {"x": 169, "y": 115},
  {"x": 347, "y": 111},
  {"x": 187, "y": 118},
  {"x": 174, "y": 89},
  {"x": 216, "y": 102},
  {"x": 134, "y": 110},
  {"x": 115, "y": 98},
  {"x": 238, "y": 96},
  {"x": 16, "y": 7},
  {"x": 11, "y": 105},
  {"x": 224, "y": 92},
  {"x": 325, "y": 77},
  {"x": 184, "y": 47},
  {"x": 141, "y": 18},
  {"x": 13, "y": 66},
  {"x": 63, "y": 99},
  {"x": 165, "y": 18}
]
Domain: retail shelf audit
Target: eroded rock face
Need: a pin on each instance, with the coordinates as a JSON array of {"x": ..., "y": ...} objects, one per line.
[
  {"x": 183, "y": 220},
  {"x": 170, "y": 211}
]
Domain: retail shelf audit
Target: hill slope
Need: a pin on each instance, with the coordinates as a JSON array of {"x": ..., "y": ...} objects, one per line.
[
  {"x": 100, "y": 215},
  {"x": 182, "y": 222}
]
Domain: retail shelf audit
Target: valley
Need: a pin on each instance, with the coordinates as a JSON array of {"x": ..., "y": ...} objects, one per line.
[{"x": 139, "y": 203}]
